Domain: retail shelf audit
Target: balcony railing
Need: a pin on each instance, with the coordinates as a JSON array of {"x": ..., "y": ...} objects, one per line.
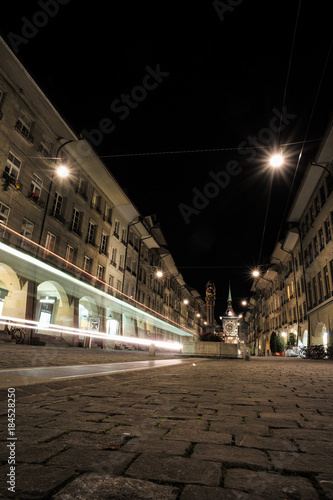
[
  {"x": 9, "y": 180},
  {"x": 20, "y": 127},
  {"x": 58, "y": 217},
  {"x": 36, "y": 199}
]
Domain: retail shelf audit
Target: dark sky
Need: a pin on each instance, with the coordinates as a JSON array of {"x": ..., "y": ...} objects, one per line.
[{"x": 224, "y": 77}]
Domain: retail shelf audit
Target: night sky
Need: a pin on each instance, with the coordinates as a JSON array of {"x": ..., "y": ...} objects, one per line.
[{"x": 169, "y": 78}]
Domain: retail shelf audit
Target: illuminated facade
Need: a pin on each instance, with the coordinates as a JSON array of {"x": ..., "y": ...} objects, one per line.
[
  {"x": 295, "y": 294},
  {"x": 83, "y": 225}
]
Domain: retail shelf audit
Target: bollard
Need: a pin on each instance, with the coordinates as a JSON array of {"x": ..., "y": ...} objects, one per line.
[
  {"x": 152, "y": 349},
  {"x": 247, "y": 354}
]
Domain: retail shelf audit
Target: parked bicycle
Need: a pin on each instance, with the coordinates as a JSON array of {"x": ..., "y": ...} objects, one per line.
[
  {"x": 318, "y": 351},
  {"x": 16, "y": 333}
]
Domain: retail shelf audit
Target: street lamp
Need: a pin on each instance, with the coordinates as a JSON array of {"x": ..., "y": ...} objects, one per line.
[
  {"x": 324, "y": 167},
  {"x": 276, "y": 160},
  {"x": 62, "y": 171}
]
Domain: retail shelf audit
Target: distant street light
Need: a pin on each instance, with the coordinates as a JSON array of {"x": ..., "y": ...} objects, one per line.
[{"x": 255, "y": 273}]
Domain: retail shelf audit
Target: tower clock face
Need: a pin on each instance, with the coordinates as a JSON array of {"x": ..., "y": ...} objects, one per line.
[{"x": 229, "y": 327}]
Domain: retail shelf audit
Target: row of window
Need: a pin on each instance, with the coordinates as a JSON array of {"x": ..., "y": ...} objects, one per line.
[
  {"x": 289, "y": 316},
  {"x": 317, "y": 204},
  {"x": 318, "y": 242}
]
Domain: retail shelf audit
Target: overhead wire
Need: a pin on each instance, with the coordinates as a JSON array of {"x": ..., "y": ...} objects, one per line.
[{"x": 279, "y": 131}]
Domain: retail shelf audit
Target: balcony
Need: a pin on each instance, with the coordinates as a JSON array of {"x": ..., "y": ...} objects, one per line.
[
  {"x": 35, "y": 198},
  {"x": 103, "y": 252},
  {"x": 113, "y": 263},
  {"x": 10, "y": 181},
  {"x": 24, "y": 131},
  {"x": 58, "y": 217},
  {"x": 90, "y": 241},
  {"x": 75, "y": 230}
]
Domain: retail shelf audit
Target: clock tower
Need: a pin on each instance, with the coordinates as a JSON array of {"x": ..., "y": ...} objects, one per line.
[{"x": 230, "y": 321}]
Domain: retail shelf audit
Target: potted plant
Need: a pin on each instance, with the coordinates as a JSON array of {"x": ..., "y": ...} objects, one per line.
[
  {"x": 291, "y": 340},
  {"x": 272, "y": 344},
  {"x": 280, "y": 345}
]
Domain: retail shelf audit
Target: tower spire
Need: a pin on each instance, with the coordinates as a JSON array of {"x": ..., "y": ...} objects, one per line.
[
  {"x": 229, "y": 296},
  {"x": 230, "y": 311}
]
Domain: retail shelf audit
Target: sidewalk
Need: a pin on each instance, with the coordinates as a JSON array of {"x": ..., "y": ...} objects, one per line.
[{"x": 206, "y": 429}]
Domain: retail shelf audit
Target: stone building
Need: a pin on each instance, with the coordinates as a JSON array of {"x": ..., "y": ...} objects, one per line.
[
  {"x": 83, "y": 224},
  {"x": 295, "y": 294}
]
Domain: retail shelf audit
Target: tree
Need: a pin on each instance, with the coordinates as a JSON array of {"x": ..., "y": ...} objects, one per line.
[
  {"x": 280, "y": 343},
  {"x": 209, "y": 337},
  {"x": 273, "y": 343}
]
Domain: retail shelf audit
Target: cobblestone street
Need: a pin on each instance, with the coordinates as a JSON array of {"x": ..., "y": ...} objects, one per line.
[{"x": 206, "y": 429}]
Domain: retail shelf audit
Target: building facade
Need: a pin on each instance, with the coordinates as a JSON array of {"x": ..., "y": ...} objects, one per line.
[
  {"x": 295, "y": 294},
  {"x": 82, "y": 224}
]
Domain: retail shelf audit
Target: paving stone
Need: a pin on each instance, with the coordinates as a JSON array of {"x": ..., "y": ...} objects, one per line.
[
  {"x": 231, "y": 456},
  {"x": 126, "y": 419},
  {"x": 311, "y": 435},
  {"x": 266, "y": 443},
  {"x": 71, "y": 424},
  {"x": 240, "y": 429},
  {"x": 170, "y": 423},
  {"x": 93, "y": 441},
  {"x": 38, "y": 481},
  {"x": 35, "y": 435},
  {"x": 99, "y": 487},
  {"x": 270, "y": 485},
  {"x": 113, "y": 463},
  {"x": 193, "y": 492},
  {"x": 29, "y": 453},
  {"x": 176, "y": 470},
  {"x": 301, "y": 462},
  {"x": 317, "y": 448},
  {"x": 325, "y": 481},
  {"x": 195, "y": 436},
  {"x": 139, "y": 445}
]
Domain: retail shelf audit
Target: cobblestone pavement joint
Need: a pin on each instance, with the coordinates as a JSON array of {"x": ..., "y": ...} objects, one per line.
[{"x": 205, "y": 429}]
